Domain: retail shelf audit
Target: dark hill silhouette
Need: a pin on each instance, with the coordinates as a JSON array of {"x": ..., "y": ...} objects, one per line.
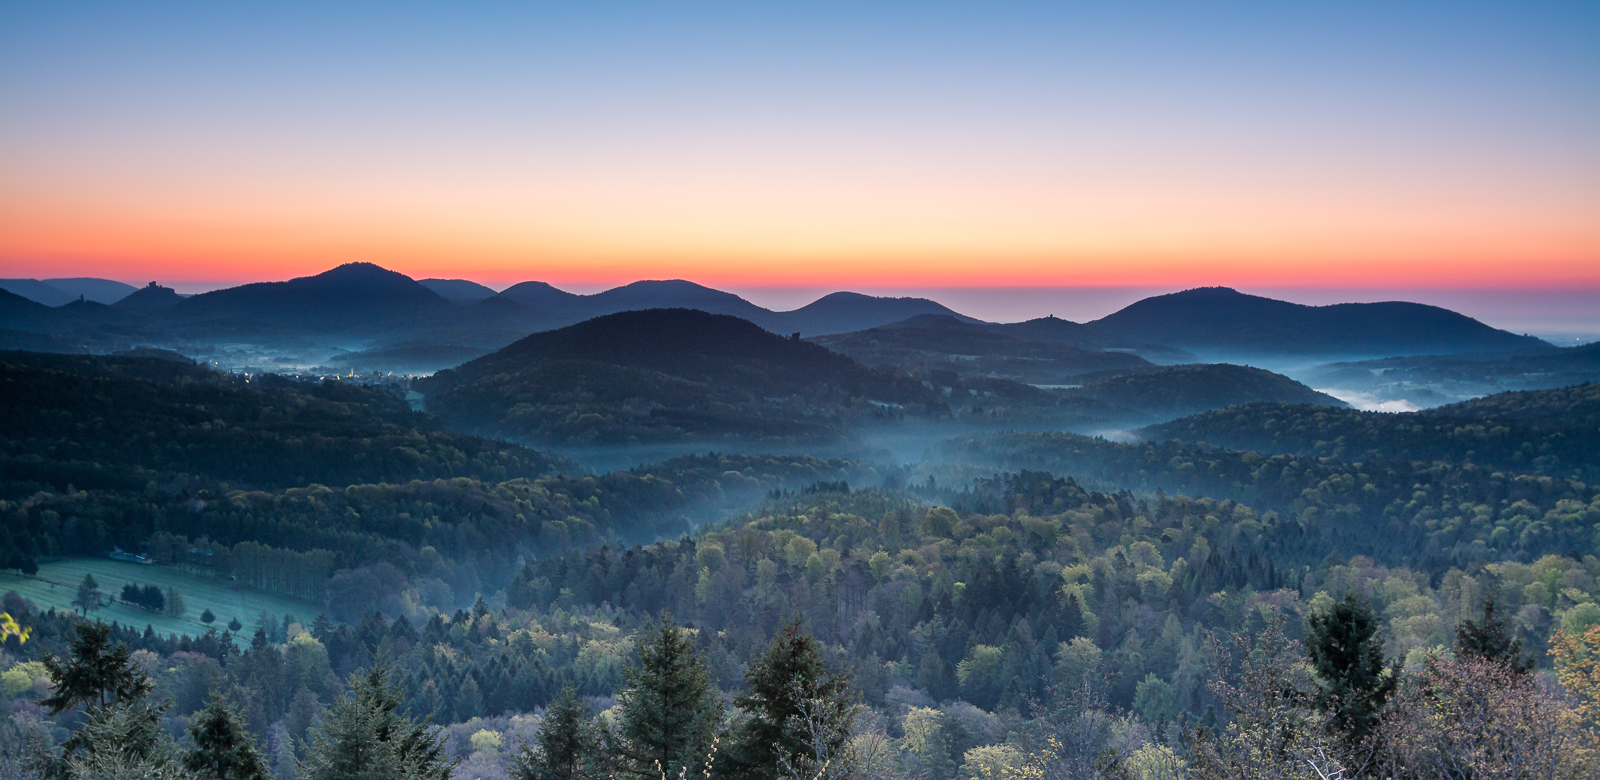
[
  {"x": 1219, "y": 320},
  {"x": 90, "y": 288},
  {"x": 842, "y": 312},
  {"x": 37, "y": 291},
  {"x": 672, "y": 293},
  {"x": 929, "y": 341},
  {"x": 19, "y": 313},
  {"x": 665, "y": 374},
  {"x": 150, "y": 298},
  {"x": 459, "y": 290},
  {"x": 539, "y": 295},
  {"x": 354, "y": 295},
  {"x": 1178, "y": 391}
]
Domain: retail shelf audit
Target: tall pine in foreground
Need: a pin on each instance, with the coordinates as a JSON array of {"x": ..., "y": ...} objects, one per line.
[
  {"x": 367, "y": 736},
  {"x": 800, "y": 714},
  {"x": 121, "y": 735},
  {"x": 96, "y": 675},
  {"x": 566, "y": 747},
  {"x": 1346, "y": 656},
  {"x": 670, "y": 709},
  {"x": 223, "y": 747}
]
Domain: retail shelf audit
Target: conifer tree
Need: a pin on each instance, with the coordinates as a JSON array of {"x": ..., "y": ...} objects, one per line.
[
  {"x": 366, "y": 735},
  {"x": 796, "y": 708},
  {"x": 117, "y": 742},
  {"x": 223, "y": 747},
  {"x": 1490, "y": 640},
  {"x": 96, "y": 675},
  {"x": 566, "y": 743},
  {"x": 670, "y": 709},
  {"x": 1346, "y": 656},
  {"x": 121, "y": 735}
]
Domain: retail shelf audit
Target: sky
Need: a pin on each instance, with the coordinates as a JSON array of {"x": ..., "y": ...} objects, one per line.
[{"x": 1023, "y": 155}]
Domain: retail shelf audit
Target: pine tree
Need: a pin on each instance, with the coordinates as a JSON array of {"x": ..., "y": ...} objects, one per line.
[
  {"x": 366, "y": 735},
  {"x": 566, "y": 743},
  {"x": 797, "y": 709},
  {"x": 670, "y": 709},
  {"x": 1490, "y": 640},
  {"x": 1346, "y": 656},
  {"x": 223, "y": 747},
  {"x": 121, "y": 735},
  {"x": 119, "y": 741},
  {"x": 96, "y": 675}
]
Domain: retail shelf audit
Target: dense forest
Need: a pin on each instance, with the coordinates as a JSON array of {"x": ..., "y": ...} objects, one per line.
[
  {"x": 1024, "y": 604},
  {"x": 128, "y": 423}
]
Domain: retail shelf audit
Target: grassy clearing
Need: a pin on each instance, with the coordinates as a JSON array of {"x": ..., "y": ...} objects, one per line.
[{"x": 57, "y": 584}]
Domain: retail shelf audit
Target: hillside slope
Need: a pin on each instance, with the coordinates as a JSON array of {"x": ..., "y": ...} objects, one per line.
[
  {"x": 1546, "y": 432},
  {"x": 664, "y": 374},
  {"x": 122, "y": 422},
  {"x": 354, "y": 296},
  {"x": 1178, "y": 391},
  {"x": 933, "y": 341}
]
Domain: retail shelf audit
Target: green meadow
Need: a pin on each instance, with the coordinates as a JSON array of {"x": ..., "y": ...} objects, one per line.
[{"x": 57, "y": 584}]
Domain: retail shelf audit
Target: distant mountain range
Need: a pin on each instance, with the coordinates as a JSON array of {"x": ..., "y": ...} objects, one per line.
[
  {"x": 58, "y": 292},
  {"x": 366, "y": 308}
]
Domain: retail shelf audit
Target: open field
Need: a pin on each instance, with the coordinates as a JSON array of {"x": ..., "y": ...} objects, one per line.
[{"x": 57, "y": 584}]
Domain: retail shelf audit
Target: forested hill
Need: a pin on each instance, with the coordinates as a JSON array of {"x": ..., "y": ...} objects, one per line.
[
  {"x": 666, "y": 374},
  {"x": 1425, "y": 515},
  {"x": 1545, "y": 432},
  {"x": 120, "y": 423},
  {"x": 1176, "y": 391}
]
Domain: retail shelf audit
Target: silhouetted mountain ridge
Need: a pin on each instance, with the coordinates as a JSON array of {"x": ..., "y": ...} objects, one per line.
[{"x": 1223, "y": 320}]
